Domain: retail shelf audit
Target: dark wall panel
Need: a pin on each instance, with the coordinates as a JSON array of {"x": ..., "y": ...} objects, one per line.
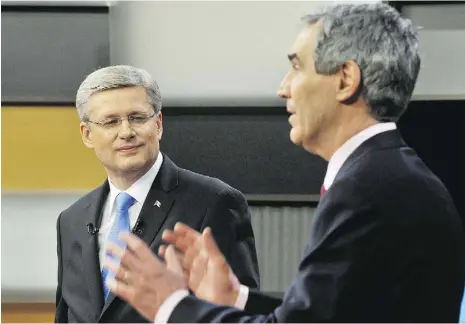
[
  {"x": 435, "y": 129},
  {"x": 46, "y": 53},
  {"x": 250, "y": 152},
  {"x": 253, "y": 152}
]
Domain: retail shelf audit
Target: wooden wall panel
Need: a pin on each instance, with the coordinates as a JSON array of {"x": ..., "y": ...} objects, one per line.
[
  {"x": 42, "y": 150},
  {"x": 28, "y": 312}
]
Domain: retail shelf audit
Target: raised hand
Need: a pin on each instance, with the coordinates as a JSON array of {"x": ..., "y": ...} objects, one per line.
[{"x": 209, "y": 275}]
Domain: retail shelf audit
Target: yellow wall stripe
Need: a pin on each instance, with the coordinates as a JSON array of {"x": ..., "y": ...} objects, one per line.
[{"x": 42, "y": 149}]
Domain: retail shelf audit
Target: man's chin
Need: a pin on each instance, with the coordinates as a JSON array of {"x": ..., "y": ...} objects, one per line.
[
  {"x": 296, "y": 137},
  {"x": 131, "y": 164}
]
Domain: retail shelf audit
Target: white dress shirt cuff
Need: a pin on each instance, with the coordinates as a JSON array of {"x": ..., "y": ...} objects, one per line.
[
  {"x": 241, "y": 300},
  {"x": 168, "y": 306}
]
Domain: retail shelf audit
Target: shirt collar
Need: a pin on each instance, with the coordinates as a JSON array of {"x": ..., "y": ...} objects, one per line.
[
  {"x": 139, "y": 189},
  {"x": 341, "y": 155}
]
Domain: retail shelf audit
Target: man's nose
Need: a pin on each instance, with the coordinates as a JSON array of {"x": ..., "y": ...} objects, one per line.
[
  {"x": 283, "y": 90},
  {"x": 125, "y": 129}
]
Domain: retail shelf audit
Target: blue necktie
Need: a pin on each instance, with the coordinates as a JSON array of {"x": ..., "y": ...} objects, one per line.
[{"x": 120, "y": 225}]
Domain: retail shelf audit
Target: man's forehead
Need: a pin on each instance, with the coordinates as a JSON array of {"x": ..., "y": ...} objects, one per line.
[{"x": 305, "y": 41}]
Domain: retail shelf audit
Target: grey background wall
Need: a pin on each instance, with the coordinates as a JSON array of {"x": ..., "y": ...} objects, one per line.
[
  {"x": 442, "y": 41},
  {"x": 234, "y": 53},
  {"x": 209, "y": 53},
  {"x": 202, "y": 53},
  {"x": 46, "y": 54}
]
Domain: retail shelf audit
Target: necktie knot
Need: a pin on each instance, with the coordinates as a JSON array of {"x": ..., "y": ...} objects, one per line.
[{"x": 124, "y": 201}]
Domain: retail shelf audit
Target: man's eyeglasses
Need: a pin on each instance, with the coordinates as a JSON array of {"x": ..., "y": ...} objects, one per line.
[{"x": 115, "y": 122}]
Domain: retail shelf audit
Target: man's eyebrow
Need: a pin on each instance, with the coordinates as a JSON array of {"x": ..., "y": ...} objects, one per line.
[{"x": 293, "y": 56}]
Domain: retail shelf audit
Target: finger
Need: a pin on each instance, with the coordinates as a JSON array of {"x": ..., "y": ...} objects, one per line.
[
  {"x": 162, "y": 251},
  {"x": 139, "y": 248},
  {"x": 115, "y": 250},
  {"x": 175, "y": 239},
  {"x": 217, "y": 261},
  {"x": 218, "y": 265},
  {"x": 111, "y": 265},
  {"x": 186, "y": 231},
  {"x": 210, "y": 245},
  {"x": 179, "y": 255},
  {"x": 121, "y": 289},
  {"x": 127, "y": 258},
  {"x": 180, "y": 240},
  {"x": 197, "y": 272},
  {"x": 183, "y": 228},
  {"x": 121, "y": 272},
  {"x": 172, "y": 261},
  {"x": 192, "y": 252}
]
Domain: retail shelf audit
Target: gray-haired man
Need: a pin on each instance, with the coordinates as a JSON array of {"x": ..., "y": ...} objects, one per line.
[{"x": 146, "y": 193}]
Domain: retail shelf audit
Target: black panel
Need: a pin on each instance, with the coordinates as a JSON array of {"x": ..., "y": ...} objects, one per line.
[
  {"x": 398, "y": 5},
  {"x": 250, "y": 152},
  {"x": 435, "y": 129},
  {"x": 45, "y": 8},
  {"x": 47, "y": 53}
]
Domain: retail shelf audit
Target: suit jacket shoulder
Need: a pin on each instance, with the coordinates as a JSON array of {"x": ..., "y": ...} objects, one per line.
[
  {"x": 97, "y": 195},
  {"x": 207, "y": 185}
]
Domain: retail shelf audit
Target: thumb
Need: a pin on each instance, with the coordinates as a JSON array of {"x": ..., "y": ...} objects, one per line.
[
  {"x": 217, "y": 262},
  {"x": 210, "y": 244},
  {"x": 172, "y": 261},
  {"x": 212, "y": 249}
]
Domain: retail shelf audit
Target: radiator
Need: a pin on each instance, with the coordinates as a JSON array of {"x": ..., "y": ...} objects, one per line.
[{"x": 281, "y": 234}]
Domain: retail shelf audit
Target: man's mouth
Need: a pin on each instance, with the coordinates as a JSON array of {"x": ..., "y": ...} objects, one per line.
[{"x": 128, "y": 148}]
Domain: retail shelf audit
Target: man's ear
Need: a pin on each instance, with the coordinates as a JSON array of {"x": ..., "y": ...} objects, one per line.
[
  {"x": 86, "y": 135},
  {"x": 159, "y": 125},
  {"x": 350, "y": 83}
]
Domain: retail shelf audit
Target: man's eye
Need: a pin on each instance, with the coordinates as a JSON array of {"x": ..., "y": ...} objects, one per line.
[
  {"x": 138, "y": 118},
  {"x": 110, "y": 122}
]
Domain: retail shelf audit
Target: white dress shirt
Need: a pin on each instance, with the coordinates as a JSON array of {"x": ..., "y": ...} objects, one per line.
[
  {"x": 139, "y": 191},
  {"x": 343, "y": 153},
  {"x": 334, "y": 165}
]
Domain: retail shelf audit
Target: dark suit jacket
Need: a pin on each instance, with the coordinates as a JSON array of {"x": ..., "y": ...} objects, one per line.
[
  {"x": 185, "y": 196},
  {"x": 386, "y": 245}
]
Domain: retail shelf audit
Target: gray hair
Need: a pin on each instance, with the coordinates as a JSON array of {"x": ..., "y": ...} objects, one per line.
[
  {"x": 382, "y": 43},
  {"x": 114, "y": 77}
]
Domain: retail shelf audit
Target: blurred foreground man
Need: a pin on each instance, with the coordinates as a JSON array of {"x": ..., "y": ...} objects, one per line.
[
  {"x": 386, "y": 244},
  {"x": 145, "y": 192}
]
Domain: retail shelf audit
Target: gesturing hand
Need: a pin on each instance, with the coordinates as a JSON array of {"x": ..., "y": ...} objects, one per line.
[{"x": 209, "y": 275}]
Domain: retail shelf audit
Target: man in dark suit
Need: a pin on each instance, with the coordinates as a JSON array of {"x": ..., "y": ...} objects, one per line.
[
  {"x": 120, "y": 111},
  {"x": 386, "y": 244}
]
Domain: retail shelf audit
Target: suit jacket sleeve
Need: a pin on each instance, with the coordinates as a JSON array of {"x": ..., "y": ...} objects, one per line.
[
  {"x": 327, "y": 287},
  {"x": 61, "y": 313},
  {"x": 259, "y": 303},
  {"x": 229, "y": 219}
]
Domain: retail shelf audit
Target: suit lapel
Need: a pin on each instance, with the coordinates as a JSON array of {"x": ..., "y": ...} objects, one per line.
[
  {"x": 154, "y": 213},
  {"x": 90, "y": 255},
  {"x": 155, "y": 209},
  {"x": 385, "y": 140}
]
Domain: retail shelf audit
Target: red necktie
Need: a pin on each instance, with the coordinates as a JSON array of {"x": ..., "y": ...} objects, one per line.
[{"x": 322, "y": 190}]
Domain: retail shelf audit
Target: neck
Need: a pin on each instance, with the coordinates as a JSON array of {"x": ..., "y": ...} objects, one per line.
[
  {"x": 122, "y": 180},
  {"x": 334, "y": 137}
]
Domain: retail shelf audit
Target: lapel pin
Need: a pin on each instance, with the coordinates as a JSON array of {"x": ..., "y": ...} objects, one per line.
[{"x": 158, "y": 204}]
